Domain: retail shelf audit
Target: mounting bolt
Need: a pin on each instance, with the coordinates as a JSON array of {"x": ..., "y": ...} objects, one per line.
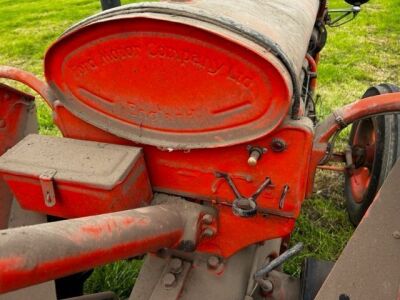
[
  {"x": 396, "y": 234},
  {"x": 208, "y": 232},
  {"x": 278, "y": 145},
  {"x": 266, "y": 285},
  {"x": 213, "y": 262},
  {"x": 176, "y": 266},
  {"x": 207, "y": 219},
  {"x": 168, "y": 280}
]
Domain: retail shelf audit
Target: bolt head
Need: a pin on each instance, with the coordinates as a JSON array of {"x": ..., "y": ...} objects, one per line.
[
  {"x": 168, "y": 280},
  {"x": 208, "y": 232},
  {"x": 278, "y": 145},
  {"x": 176, "y": 265},
  {"x": 213, "y": 262},
  {"x": 266, "y": 285},
  {"x": 396, "y": 234},
  {"x": 207, "y": 219}
]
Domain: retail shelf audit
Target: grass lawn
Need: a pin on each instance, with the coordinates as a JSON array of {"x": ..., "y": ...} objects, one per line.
[{"x": 359, "y": 54}]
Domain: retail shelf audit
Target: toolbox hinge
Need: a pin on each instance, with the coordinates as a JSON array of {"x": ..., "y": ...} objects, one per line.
[{"x": 47, "y": 184}]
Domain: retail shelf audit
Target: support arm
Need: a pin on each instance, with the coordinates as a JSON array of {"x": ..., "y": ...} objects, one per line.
[
  {"x": 38, "y": 253},
  {"x": 339, "y": 119}
]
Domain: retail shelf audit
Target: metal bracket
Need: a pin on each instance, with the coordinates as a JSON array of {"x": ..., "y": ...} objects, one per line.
[
  {"x": 345, "y": 12},
  {"x": 339, "y": 120},
  {"x": 47, "y": 184},
  {"x": 172, "y": 280}
]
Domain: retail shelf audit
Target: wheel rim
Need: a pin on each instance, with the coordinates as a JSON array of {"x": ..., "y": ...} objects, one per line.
[{"x": 364, "y": 148}]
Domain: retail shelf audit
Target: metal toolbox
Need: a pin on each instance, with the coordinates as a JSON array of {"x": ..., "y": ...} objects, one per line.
[{"x": 73, "y": 178}]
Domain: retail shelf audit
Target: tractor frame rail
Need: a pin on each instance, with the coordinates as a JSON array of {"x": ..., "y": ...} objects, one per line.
[{"x": 38, "y": 253}]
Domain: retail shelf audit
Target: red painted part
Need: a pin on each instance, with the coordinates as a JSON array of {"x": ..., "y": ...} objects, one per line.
[
  {"x": 71, "y": 246},
  {"x": 80, "y": 200},
  {"x": 30, "y": 80},
  {"x": 234, "y": 233},
  {"x": 387, "y": 103},
  {"x": 364, "y": 137},
  {"x": 313, "y": 68},
  {"x": 14, "y": 108},
  {"x": 192, "y": 174},
  {"x": 112, "y": 75},
  {"x": 73, "y": 127}
]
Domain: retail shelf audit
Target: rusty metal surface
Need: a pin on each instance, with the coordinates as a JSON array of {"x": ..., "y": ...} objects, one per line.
[
  {"x": 209, "y": 277},
  {"x": 99, "y": 165},
  {"x": 98, "y": 296},
  {"x": 172, "y": 280},
  {"x": 361, "y": 109},
  {"x": 17, "y": 117},
  {"x": 44, "y": 291},
  {"x": 20, "y": 217},
  {"x": 34, "y": 254},
  {"x": 369, "y": 267},
  {"x": 288, "y": 24},
  {"x": 240, "y": 70}
]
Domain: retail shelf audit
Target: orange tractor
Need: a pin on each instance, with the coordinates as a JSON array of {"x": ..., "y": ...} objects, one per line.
[{"x": 190, "y": 135}]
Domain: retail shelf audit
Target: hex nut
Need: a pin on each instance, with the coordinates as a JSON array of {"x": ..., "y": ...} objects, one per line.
[
  {"x": 208, "y": 232},
  {"x": 207, "y": 219},
  {"x": 266, "y": 285},
  {"x": 168, "y": 280},
  {"x": 213, "y": 262},
  {"x": 176, "y": 266}
]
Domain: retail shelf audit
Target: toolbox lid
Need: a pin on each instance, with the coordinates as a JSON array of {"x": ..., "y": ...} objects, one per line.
[{"x": 94, "y": 164}]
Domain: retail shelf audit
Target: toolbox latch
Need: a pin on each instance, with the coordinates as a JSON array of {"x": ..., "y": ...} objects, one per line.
[{"x": 47, "y": 183}]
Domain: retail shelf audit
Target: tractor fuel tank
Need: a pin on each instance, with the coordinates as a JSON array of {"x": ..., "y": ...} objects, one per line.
[{"x": 193, "y": 74}]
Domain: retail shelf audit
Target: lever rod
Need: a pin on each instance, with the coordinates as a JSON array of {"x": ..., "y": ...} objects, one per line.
[{"x": 264, "y": 270}]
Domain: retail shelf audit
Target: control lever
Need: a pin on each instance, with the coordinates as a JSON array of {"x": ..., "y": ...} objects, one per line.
[
  {"x": 273, "y": 264},
  {"x": 350, "y": 13},
  {"x": 242, "y": 206}
]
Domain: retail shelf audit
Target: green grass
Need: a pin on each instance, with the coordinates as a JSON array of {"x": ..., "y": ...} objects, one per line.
[
  {"x": 359, "y": 54},
  {"x": 118, "y": 277}
]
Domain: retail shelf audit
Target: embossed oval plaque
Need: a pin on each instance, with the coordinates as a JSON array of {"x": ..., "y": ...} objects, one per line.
[{"x": 166, "y": 84}]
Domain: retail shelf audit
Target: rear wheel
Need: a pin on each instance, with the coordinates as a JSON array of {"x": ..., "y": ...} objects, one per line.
[{"x": 375, "y": 145}]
